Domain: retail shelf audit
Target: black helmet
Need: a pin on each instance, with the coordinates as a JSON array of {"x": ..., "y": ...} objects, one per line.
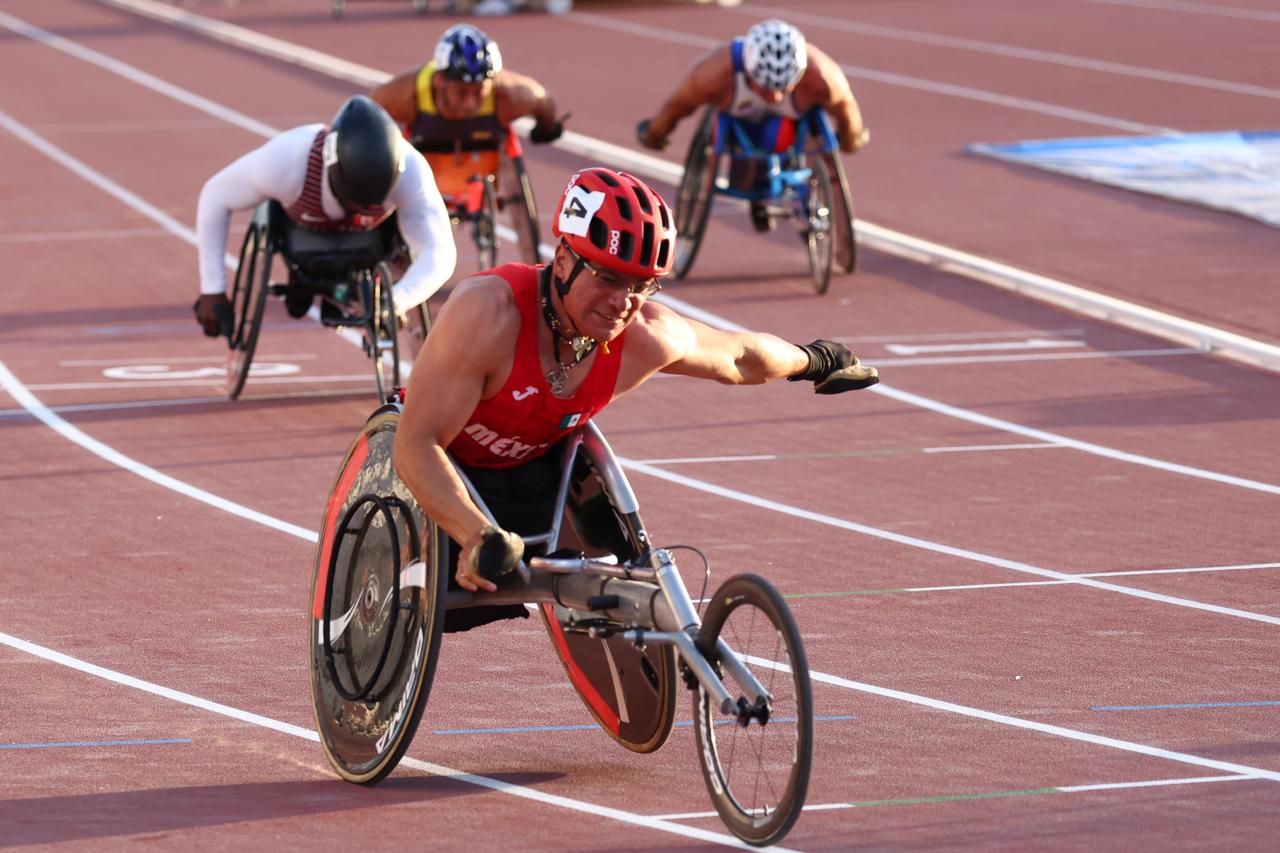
[
  {"x": 362, "y": 154},
  {"x": 467, "y": 54}
]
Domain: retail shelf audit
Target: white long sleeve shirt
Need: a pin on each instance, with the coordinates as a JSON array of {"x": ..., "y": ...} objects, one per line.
[{"x": 278, "y": 169}]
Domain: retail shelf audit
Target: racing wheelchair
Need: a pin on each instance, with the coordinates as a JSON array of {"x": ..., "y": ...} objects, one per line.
[
  {"x": 347, "y": 270},
  {"x": 621, "y": 622},
  {"x": 477, "y": 185},
  {"x": 806, "y": 183}
]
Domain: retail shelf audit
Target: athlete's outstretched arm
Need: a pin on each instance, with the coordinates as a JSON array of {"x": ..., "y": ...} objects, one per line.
[
  {"x": 399, "y": 97},
  {"x": 518, "y": 95},
  {"x": 831, "y": 92},
  {"x": 473, "y": 332},
  {"x": 424, "y": 224},
  {"x": 709, "y": 82}
]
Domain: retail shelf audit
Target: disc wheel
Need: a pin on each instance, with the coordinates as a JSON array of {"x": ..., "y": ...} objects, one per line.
[
  {"x": 817, "y": 226},
  {"x": 377, "y": 610},
  {"x": 382, "y": 332},
  {"x": 694, "y": 195},
  {"x": 484, "y": 230},
  {"x": 758, "y": 773},
  {"x": 248, "y": 301}
]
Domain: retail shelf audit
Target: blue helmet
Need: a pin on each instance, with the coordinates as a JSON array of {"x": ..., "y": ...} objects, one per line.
[{"x": 465, "y": 53}]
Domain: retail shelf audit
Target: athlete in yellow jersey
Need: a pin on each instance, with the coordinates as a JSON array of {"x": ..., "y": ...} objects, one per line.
[{"x": 457, "y": 110}]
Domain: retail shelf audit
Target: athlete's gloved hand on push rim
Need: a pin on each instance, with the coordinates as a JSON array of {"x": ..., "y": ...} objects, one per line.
[{"x": 487, "y": 556}]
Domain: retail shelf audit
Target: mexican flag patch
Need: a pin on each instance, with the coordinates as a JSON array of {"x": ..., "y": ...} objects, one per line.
[{"x": 570, "y": 421}]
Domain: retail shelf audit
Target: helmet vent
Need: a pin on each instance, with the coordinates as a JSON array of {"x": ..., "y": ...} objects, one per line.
[
  {"x": 606, "y": 177},
  {"x": 624, "y": 208},
  {"x": 663, "y": 249},
  {"x": 643, "y": 198},
  {"x": 599, "y": 233},
  {"x": 626, "y": 245},
  {"x": 646, "y": 244}
]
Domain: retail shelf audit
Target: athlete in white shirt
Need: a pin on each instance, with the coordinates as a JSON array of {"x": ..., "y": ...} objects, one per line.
[{"x": 348, "y": 176}]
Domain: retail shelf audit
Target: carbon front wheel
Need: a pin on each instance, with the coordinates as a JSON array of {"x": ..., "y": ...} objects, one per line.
[
  {"x": 695, "y": 193},
  {"x": 818, "y": 231},
  {"x": 248, "y": 301},
  {"x": 756, "y": 771}
]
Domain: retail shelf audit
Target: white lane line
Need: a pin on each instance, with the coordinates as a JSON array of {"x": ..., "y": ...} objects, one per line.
[
  {"x": 890, "y": 78},
  {"x": 959, "y": 336},
  {"x": 934, "y": 361},
  {"x": 1084, "y": 446},
  {"x": 985, "y": 795},
  {"x": 1199, "y": 9},
  {"x": 938, "y": 548},
  {"x": 11, "y": 384},
  {"x": 28, "y": 401},
  {"x": 291, "y": 379},
  {"x": 774, "y": 457},
  {"x": 180, "y": 359},
  {"x": 426, "y": 766},
  {"x": 1010, "y": 584},
  {"x": 1026, "y": 343},
  {"x": 952, "y": 261},
  {"x": 128, "y": 72},
  {"x": 996, "y": 49},
  {"x": 1030, "y": 725},
  {"x": 60, "y": 236},
  {"x": 176, "y": 228}
]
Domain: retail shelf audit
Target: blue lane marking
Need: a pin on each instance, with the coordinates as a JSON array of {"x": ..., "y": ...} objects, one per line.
[
  {"x": 93, "y": 743},
  {"x": 1187, "y": 705},
  {"x": 526, "y": 729}
]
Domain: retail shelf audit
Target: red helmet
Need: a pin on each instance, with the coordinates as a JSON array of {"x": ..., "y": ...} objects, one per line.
[{"x": 616, "y": 221}]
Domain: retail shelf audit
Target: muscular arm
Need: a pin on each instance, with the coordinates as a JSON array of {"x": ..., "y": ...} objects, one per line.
[
  {"x": 824, "y": 85},
  {"x": 518, "y": 96},
  {"x": 275, "y": 170},
  {"x": 399, "y": 97},
  {"x": 679, "y": 345},
  {"x": 467, "y": 345},
  {"x": 709, "y": 82},
  {"x": 424, "y": 224}
]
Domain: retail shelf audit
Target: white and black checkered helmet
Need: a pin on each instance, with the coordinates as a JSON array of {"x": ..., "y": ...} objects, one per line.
[{"x": 774, "y": 55}]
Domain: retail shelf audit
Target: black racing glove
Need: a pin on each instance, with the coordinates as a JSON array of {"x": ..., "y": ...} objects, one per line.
[
  {"x": 542, "y": 135},
  {"x": 833, "y": 369},
  {"x": 496, "y": 552},
  {"x": 214, "y": 314},
  {"x": 642, "y": 131}
]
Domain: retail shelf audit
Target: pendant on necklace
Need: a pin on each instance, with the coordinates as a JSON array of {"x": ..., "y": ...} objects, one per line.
[
  {"x": 581, "y": 347},
  {"x": 557, "y": 377}
]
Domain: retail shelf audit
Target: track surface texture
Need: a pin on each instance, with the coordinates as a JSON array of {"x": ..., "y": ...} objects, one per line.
[{"x": 1036, "y": 571}]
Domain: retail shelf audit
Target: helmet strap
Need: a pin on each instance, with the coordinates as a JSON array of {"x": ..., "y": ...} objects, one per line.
[{"x": 581, "y": 345}]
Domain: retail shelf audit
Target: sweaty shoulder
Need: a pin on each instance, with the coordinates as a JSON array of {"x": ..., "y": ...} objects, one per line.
[
  {"x": 823, "y": 81},
  {"x": 481, "y": 311},
  {"x": 712, "y": 74},
  {"x": 657, "y": 338}
]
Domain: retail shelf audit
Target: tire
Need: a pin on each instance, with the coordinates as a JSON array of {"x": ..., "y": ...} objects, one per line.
[
  {"x": 248, "y": 301},
  {"x": 819, "y": 208},
  {"x": 381, "y": 332},
  {"x": 372, "y": 664},
  {"x": 752, "y": 617},
  {"x": 695, "y": 193},
  {"x": 524, "y": 211},
  {"x": 483, "y": 228},
  {"x": 846, "y": 246}
]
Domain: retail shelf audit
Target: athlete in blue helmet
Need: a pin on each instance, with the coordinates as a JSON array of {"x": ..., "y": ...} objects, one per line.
[{"x": 457, "y": 110}]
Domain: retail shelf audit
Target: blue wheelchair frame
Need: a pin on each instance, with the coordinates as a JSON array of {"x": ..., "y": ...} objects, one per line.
[{"x": 788, "y": 173}]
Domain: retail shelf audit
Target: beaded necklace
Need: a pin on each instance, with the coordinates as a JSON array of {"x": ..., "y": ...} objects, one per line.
[{"x": 582, "y": 346}]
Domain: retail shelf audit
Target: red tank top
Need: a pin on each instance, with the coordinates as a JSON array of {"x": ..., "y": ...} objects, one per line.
[
  {"x": 308, "y": 210},
  {"x": 522, "y": 420}
]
